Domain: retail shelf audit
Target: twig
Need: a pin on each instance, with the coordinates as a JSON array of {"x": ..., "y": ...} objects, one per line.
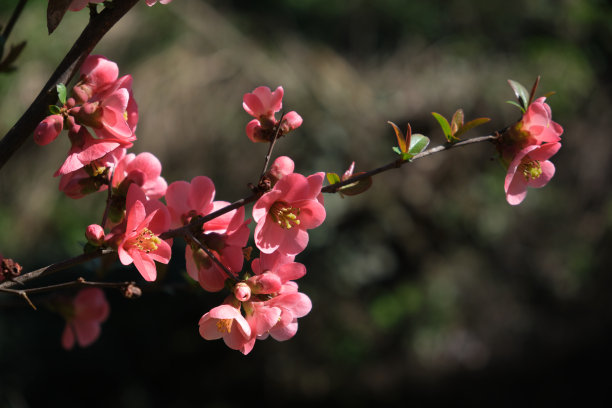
[
  {"x": 13, "y": 20},
  {"x": 271, "y": 147},
  {"x": 333, "y": 188}
]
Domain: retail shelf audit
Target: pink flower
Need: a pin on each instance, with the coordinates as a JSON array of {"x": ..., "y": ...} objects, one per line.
[
  {"x": 529, "y": 168},
  {"x": 225, "y": 321},
  {"x": 84, "y": 150},
  {"x": 144, "y": 170},
  {"x": 282, "y": 166},
  {"x": 224, "y": 236},
  {"x": 97, "y": 75},
  {"x": 262, "y": 103},
  {"x": 145, "y": 221},
  {"x": 534, "y": 128},
  {"x": 87, "y": 311},
  {"x": 286, "y": 212},
  {"x": 48, "y": 130},
  {"x": 95, "y": 234},
  {"x": 90, "y": 178}
]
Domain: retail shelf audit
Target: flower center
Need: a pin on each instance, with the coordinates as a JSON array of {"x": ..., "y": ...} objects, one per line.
[
  {"x": 531, "y": 169},
  {"x": 146, "y": 241},
  {"x": 285, "y": 215},
  {"x": 224, "y": 325}
]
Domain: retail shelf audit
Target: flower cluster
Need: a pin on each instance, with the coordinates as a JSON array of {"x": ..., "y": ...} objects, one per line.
[
  {"x": 263, "y": 104},
  {"x": 525, "y": 148}
]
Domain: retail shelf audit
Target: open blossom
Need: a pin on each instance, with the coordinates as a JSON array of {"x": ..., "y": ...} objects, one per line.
[
  {"x": 224, "y": 236},
  {"x": 535, "y": 127},
  {"x": 226, "y": 321},
  {"x": 285, "y": 213},
  {"x": 530, "y": 168},
  {"x": 145, "y": 221},
  {"x": 144, "y": 170},
  {"x": 84, "y": 317}
]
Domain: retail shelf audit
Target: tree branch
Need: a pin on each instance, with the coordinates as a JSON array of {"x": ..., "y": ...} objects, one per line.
[{"x": 38, "y": 110}]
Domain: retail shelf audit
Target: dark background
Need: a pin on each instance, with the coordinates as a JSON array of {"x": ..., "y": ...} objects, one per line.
[{"x": 428, "y": 289}]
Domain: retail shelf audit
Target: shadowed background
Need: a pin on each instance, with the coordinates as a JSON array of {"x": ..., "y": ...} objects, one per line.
[{"x": 427, "y": 289}]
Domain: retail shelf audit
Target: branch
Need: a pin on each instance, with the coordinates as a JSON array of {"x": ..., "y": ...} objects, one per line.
[
  {"x": 333, "y": 188},
  {"x": 56, "y": 267},
  {"x": 38, "y": 110}
]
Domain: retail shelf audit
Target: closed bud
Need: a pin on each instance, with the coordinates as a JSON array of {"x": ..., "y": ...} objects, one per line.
[{"x": 48, "y": 130}]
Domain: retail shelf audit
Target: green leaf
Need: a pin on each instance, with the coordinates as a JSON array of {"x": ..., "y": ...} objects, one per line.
[
  {"x": 333, "y": 178},
  {"x": 357, "y": 187},
  {"x": 521, "y": 93},
  {"x": 516, "y": 104},
  {"x": 418, "y": 143},
  {"x": 397, "y": 150},
  {"x": 407, "y": 156},
  {"x": 456, "y": 122},
  {"x": 55, "y": 110},
  {"x": 444, "y": 124},
  {"x": 61, "y": 93},
  {"x": 470, "y": 125}
]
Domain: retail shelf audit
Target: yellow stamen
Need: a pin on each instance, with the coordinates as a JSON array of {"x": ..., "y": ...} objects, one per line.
[
  {"x": 531, "y": 169},
  {"x": 146, "y": 241},
  {"x": 284, "y": 215},
  {"x": 224, "y": 325}
]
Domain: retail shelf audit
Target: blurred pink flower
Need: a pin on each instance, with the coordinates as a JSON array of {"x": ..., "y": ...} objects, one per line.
[
  {"x": 262, "y": 103},
  {"x": 529, "y": 168},
  {"x": 87, "y": 311}
]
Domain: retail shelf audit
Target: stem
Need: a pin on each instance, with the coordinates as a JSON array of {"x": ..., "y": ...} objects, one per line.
[
  {"x": 91, "y": 35},
  {"x": 212, "y": 256},
  {"x": 333, "y": 188},
  {"x": 271, "y": 147},
  {"x": 56, "y": 267}
]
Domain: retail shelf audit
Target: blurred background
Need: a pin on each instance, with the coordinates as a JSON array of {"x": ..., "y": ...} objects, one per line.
[{"x": 428, "y": 289}]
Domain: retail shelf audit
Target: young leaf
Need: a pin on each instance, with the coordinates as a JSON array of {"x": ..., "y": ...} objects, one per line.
[
  {"x": 54, "y": 109},
  {"x": 456, "y": 122},
  {"x": 444, "y": 124},
  {"x": 402, "y": 141},
  {"x": 470, "y": 125},
  {"x": 333, "y": 178},
  {"x": 397, "y": 150},
  {"x": 357, "y": 187},
  {"x": 517, "y": 105},
  {"x": 418, "y": 143},
  {"x": 533, "y": 90},
  {"x": 61, "y": 93},
  {"x": 521, "y": 93}
]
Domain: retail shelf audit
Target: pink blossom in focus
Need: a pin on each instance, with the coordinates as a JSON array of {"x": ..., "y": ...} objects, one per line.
[
  {"x": 88, "y": 310},
  {"x": 145, "y": 221},
  {"x": 144, "y": 170},
  {"x": 84, "y": 150},
  {"x": 226, "y": 321},
  {"x": 286, "y": 212},
  {"x": 48, "y": 129},
  {"x": 530, "y": 168},
  {"x": 91, "y": 178},
  {"x": 97, "y": 75}
]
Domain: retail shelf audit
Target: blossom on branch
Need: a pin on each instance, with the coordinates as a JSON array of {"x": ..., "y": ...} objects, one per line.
[
  {"x": 285, "y": 213},
  {"x": 263, "y": 104},
  {"x": 83, "y": 318},
  {"x": 530, "y": 168},
  {"x": 145, "y": 221}
]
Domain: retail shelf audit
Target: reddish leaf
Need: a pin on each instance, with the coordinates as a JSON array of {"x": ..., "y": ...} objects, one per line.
[
  {"x": 470, "y": 125},
  {"x": 456, "y": 121},
  {"x": 403, "y": 142}
]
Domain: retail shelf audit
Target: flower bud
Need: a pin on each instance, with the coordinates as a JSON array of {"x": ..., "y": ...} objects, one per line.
[
  {"x": 242, "y": 291},
  {"x": 95, "y": 234},
  {"x": 291, "y": 121},
  {"x": 48, "y": 130}
]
